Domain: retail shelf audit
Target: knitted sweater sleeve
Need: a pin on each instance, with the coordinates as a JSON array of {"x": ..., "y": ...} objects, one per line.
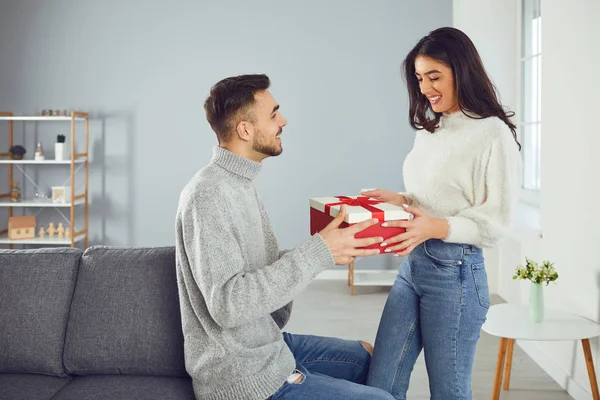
[
  {"x": 487, "y": 221},
  {"x": 233, "y": 294}
]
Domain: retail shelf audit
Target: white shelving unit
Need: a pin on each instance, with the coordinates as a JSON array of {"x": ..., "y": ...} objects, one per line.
[
  {"x": 374, "y": 278},
  {"x": 76, "y": 161},
  {"x": 367, "y": 277},
  {"x": 40, "y": 241},
  {"x": 8, "y": 203},
  {"x": 17, "y": 162}
]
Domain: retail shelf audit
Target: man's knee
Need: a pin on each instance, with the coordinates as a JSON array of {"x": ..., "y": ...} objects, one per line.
[{"x": 367, "y": 346}]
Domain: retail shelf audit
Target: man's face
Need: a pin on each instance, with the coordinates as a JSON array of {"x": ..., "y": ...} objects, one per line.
[{"x": 268, "y": 125}]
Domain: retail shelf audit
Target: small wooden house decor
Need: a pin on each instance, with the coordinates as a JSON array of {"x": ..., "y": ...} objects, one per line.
[{"x": 21, "y": 227}]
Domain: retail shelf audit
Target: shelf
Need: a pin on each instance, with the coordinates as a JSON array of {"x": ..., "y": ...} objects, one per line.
[
  {"x": 65, "y": 162},
  {"x": 39, "y": 118},
  {"x": 8, "y": 203},
  {"x": 374, "y": 278},
  {"x": 42, "y": 241}
]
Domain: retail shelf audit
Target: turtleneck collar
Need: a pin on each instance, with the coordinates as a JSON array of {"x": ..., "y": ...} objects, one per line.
[
  {"x": 457, "y": 119},
  {"x": 236, "y": 164}
]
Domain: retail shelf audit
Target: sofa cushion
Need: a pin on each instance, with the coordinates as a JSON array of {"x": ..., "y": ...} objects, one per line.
[
  {"x": 130, "y": 387},
  {"x": 30, "y": 386},
  {"x": 36, "y": 287},
  {"x": 125, "y": 315}
]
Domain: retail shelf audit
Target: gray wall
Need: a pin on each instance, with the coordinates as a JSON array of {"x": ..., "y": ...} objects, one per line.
[{"x": 143, "y": 69}]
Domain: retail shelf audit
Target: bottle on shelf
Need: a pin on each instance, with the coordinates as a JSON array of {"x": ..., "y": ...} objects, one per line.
[
  {"x": 59, "y": 148},
  {"x": 39, "y": 152}
]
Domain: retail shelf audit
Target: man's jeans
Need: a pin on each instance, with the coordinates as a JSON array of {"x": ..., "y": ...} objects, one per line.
[
  {"x": 330, "y": 369},
  {"x": 438, "y": 303}
]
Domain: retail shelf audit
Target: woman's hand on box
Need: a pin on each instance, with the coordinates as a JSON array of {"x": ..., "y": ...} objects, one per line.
[
  {"x": 387, "y": 196},
  {"x": 421, "y": 228}
]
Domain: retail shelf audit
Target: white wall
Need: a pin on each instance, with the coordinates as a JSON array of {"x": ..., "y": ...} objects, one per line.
[
  {"x": 478, "y": 19},
  {"x": 492, "y": 26},
  {"x": 570, "y": 166},
  {"x": 570, "y": 222},
  {"x": 144, "y": 68}
]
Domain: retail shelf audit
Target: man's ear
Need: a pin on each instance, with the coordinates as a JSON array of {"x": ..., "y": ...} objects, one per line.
[{"x": 244, "y": 130}]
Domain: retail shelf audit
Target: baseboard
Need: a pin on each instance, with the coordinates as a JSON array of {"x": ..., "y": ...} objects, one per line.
[
  {"x": 561, "y": 377},
  {"x": 342, "y": 274}
]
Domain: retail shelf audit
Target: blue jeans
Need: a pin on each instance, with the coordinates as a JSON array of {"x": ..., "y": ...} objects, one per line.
[
  {"x": 330, "y": 369},
  {"x": 438, "y": 303}
]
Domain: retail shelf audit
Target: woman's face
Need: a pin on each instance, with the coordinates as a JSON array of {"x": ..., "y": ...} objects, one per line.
[{"x": 436, "y": 81}]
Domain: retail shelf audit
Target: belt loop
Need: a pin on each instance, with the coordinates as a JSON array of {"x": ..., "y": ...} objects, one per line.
[{"x": 469, "y": 249}]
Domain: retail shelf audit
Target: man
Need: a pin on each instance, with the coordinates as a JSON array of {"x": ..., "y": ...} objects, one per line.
[{"x": 236, "y": 287}]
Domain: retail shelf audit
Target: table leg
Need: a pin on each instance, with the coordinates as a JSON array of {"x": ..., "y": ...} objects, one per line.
[
  {"x": 587, "y": 352},
  {"x": 499, "y": 368},
  {"x": 351, "y": 277},
  {"x": 348, "y": 274},
  {"x": 509, "y": 357}
]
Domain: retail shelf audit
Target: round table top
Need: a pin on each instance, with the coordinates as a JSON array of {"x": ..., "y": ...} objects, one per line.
[{"x": 512, "y": 321}]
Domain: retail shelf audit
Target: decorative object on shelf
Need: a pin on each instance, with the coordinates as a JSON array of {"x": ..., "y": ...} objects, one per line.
[
  {"x": 21, "y": 227},
  {"x": 15, "y": 192},
  {"x": 39, "y": 153},
  {"x": 41, "y": 197},
  {"x": 60, "y": 230},
  {"x": 538, "y": 275},
  {"x": 51, "y": 230},
  {"x": 17, "y": 152},
  {"x": 59, "y": 194},
  {"x": 59, "y": 148},
  {"x": 54, "y": 113}
]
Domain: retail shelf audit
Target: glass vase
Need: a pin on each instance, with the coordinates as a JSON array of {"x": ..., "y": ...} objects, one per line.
[{"x": 536, "y": 303}]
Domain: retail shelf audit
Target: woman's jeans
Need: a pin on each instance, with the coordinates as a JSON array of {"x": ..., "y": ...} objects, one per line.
[{"x": 438, "y": 303}]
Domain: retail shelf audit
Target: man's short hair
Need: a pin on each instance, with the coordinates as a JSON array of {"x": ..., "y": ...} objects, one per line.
[{"x": 230, "y": 100}]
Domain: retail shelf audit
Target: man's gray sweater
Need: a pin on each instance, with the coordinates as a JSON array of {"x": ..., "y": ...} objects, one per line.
[{"x": 235, "y": 286}]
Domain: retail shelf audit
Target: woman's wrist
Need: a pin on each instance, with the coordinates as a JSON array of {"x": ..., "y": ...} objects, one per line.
[
  {"x": 400, "y": 200},
  {"x": 441, "y": 228}
]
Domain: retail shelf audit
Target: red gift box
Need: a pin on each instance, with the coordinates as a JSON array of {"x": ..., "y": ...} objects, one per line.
[{"x": 358, "y": 208}]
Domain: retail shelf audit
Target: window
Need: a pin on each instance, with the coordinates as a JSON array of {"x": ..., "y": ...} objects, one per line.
[{"x": 530, "y": 124}]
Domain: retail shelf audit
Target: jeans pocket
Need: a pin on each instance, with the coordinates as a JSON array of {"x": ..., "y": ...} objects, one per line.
[
  {"x": 481, "y": 284},
  {"x": 296, "y": 378},
  {"x": 442, "y": 252}
]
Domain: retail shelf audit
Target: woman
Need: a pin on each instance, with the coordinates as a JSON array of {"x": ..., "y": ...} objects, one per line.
[{"x": 461, "y": 179}]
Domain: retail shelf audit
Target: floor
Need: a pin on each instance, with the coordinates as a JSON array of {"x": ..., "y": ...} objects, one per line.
[{"x": 326, "y": 308}]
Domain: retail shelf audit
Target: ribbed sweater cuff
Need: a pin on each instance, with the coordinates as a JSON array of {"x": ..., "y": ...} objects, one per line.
[
  {"x": 317, "y": 253},
  {"x": 462, "y": 230},
  {"x": 256, "y": 387}
]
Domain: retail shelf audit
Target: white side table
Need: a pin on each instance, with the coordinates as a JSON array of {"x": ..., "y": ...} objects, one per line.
[{"x": 511, "y": 322}]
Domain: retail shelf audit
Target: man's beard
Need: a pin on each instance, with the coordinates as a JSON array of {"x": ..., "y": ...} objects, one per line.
[{"x": 262, "y": 146}]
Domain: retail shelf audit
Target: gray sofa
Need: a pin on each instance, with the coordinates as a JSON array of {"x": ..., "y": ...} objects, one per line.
[{"x": 99, "y": 324}]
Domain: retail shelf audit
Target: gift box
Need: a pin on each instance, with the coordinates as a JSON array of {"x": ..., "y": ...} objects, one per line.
[{"x": 358, "y": 208}]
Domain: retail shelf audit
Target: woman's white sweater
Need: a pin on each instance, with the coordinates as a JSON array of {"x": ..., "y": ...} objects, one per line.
[{"x": 468, "y": 172}]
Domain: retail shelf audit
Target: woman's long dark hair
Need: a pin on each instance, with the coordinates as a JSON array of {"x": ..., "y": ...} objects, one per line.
[{"x": 476, "y": 92}]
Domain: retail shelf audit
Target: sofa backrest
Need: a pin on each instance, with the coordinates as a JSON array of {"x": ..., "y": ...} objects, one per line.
[
  {"x": 125, "y": 316},
  {"x": 36, "y": 287}
]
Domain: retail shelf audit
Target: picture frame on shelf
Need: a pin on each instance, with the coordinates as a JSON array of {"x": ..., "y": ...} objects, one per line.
[{"x": 60, "y": 194}]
